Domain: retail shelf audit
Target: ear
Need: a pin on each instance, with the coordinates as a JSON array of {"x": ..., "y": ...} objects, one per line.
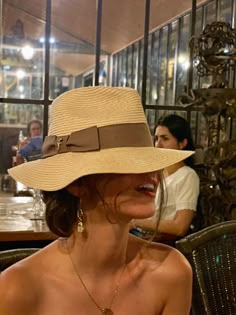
[
  {"x": 183, "y": 144},
  {"x": 77, "y": 189}
]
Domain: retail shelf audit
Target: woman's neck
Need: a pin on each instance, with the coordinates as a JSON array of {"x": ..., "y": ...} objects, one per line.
[
  {"x": 101, "y": 247},
  {"x": 173, "y": 168}
]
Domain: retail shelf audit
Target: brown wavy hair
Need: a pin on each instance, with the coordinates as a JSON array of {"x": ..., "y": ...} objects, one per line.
[
  {"x": 61, "y": 211},
  {"x": 62, "y": 207}
]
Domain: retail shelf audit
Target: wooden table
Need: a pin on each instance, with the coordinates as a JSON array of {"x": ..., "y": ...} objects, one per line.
[
  {"x": 40, "y": 232},
  {"x": 17, "y": 230}
]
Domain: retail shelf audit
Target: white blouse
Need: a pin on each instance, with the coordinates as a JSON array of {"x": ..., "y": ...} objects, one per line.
[{"x": 181, "y": 191}]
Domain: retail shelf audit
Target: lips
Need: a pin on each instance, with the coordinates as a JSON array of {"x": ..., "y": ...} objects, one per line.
[{"x": 147, "y": 187}]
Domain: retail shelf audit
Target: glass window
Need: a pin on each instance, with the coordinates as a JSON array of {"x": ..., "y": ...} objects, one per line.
[
  {"x": 19, "y": 114},
  {"x": 172, "y": 43},
  {"x": 122, "y": 26},
  {"x": 225, "y": 11},
  {"x": 129, "y": 66},
  {"x": 161, "y": 81},
  {"x": 72, "y": 47},
  {"x": 199, "y": 21},
  {"x": 154, "y": 69},
  {"x": 151, "y": 116},
  {"x": 140, "y": 65},
  {"x": 198, "y": 30},
  {"x": 114, "y": 70},
  {"x": 13, "y": 118},
  {"x": 183, "y": 62},
  {"x": 123, "y": 79},
  {"x": 135, "y": 65},
  {"x": 210, "y": 10},
  {"x": 149, "y": 72},
  {"x": 22, "y": 51}
]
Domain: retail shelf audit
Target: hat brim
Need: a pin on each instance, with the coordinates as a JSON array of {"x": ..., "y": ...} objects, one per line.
[{"x": 60, "y": 170}]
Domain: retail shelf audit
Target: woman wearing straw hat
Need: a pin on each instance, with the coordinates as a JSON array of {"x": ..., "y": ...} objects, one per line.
[{"x": 98, "y": 172}]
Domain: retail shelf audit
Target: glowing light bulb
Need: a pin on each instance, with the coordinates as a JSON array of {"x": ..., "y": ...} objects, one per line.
[{"x": 27, "y": 52}]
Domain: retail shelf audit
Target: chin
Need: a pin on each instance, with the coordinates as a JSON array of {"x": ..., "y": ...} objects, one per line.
[
  {"x": 142, "y": 212},
  {"x": 136, "y": 209},
  {"x": 145, "y": 216}
]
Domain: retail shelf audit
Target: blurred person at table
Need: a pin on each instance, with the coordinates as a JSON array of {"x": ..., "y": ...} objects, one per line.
[
  {"x": 31, "y": 148},
  {"x": 181, "y": 183},
  {"x": 99, "y": 171}
]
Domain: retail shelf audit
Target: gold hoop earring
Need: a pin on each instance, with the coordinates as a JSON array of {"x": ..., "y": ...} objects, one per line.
[{"x": 80, "y": 216}]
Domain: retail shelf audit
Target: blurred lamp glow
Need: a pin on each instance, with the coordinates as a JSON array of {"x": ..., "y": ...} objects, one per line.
[
  {"x": 51, "y": 40},
  {"x": 21, "y": 88},
  {"x": 20, "y": 74},
  {"x": 27, "y": 52}
]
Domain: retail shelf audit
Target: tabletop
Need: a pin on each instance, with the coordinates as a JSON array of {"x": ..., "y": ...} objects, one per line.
[{"x": 17, "y": 221}]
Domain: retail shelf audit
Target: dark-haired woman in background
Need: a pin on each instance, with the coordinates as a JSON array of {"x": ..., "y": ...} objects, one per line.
[{"x": 181, "y": 182}]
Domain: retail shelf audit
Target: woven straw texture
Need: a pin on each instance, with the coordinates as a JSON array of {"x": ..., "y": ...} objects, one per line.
[
  {"x": 94, "y": 106},
  {"x": 88, "y": 107}
]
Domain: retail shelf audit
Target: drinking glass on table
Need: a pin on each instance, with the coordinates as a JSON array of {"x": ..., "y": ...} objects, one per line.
[{"x": 38, "y": 209}]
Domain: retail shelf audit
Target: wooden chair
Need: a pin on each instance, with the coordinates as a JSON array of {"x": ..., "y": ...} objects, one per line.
[
  {"x": 11, "y": 256},
  {"x": 212, "y": 255}
]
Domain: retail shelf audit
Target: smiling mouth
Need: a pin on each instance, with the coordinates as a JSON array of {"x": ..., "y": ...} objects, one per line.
[{"x": 147, "y": 188}]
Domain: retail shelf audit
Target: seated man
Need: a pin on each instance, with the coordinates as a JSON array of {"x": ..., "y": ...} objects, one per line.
[{"x": 32, "y": 149}]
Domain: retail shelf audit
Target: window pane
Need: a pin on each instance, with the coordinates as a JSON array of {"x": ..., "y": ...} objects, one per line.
[
  {"x": 163, "y": 63},
  {"x": 226, "y": 11},
  {"x": 151, "y": 116},
  {"x": 149, "y": 73},
  {"x": 154, "y": 68},
  {"x": 13, "y": 118},
  {"x": 22, "y": 62},
  {"x": 171, "y": 63},
  {"x": 183, "y": 57},
  {"x": 19, "y": 113},
  {"x": 123, "y": 26},
  {"x": 72, "y": 58},
  {"x": 210, "y": 10}
]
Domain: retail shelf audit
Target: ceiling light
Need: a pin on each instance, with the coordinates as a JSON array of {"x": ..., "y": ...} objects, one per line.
[
  {"x": 21, "y": 88},
  {"x": 20, "y": 74},
  {"x": 51, "y": 40},
  {"x": 27, "y": 52}
]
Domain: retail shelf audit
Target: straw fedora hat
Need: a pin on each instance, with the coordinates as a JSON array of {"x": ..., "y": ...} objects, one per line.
[{"x": 95, "y": 130}]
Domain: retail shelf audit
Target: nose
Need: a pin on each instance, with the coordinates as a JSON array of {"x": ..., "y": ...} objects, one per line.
[{"x": 158, "y": 144}]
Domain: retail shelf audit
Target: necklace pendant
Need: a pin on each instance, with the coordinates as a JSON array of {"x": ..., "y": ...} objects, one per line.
[{"x": 107, "y": 311}]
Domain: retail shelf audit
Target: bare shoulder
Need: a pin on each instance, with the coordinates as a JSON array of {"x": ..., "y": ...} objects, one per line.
[
  {"x": 168, "y": 259},
  {"x": 168, "y": 274},
  {"x": 17, "y": 289},
  {"x": 164, "y": 260},
  {"x": 23, "y": 284}
]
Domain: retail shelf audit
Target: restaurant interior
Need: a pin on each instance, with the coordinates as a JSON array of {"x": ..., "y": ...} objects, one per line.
[{"x": 180, "y": 55}]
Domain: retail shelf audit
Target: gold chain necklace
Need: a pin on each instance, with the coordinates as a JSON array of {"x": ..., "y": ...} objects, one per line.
[{"x": 106, "y": 311}]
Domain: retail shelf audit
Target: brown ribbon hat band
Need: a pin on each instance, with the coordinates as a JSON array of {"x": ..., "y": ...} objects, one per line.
[{"x": 99, "y": 138}]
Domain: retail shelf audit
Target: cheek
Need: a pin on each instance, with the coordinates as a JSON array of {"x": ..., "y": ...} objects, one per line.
[
  {"x": 165, "y": 145},
  {"x": 172, "y": 145}
]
